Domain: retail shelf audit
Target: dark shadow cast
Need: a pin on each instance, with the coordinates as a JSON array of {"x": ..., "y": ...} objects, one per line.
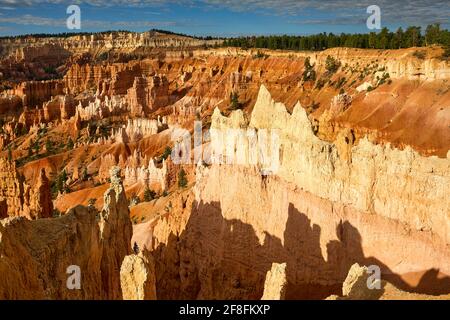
[{"x": 216, "y": 258}]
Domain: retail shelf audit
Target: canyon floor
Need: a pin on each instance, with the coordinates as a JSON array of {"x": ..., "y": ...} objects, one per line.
[{"x": 166, "y": 167}]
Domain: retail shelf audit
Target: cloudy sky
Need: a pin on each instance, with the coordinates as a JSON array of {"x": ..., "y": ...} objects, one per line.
[{"x": 218, "y": 17}]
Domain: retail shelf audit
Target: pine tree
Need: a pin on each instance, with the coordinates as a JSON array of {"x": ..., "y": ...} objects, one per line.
[
  {"x": 167, "y": 153},
  {"x": 432, "y": 34},
  {"x": 234, "y": 98},
  {"x": 149, "y": 195},
  {"x": 331, "y": 64},
  {"x": 48, "y": 145},
  {"x": 84, "y": 174},
  {"x": 70, "y": 144},
  {"x": 309, "y": 74},
  {"x": 182, "y": 180}
]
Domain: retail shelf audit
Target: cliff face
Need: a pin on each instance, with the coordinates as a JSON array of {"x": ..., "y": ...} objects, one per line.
[
  {"x": 20, "y": 198},
  {"x": 34, "y": 93},
  {"x": 35, "y": 255},
  {"x": 137, "y": 277},
  {"x": 397, "y": 184},
  {"x": 319, "y": 214},
  {"x": 148, "y": 94},
  {"x": 33, "y": 48},
  {"x": 400, "y": 63},
  {"x": 12, "y": 187},
  {"x": 276, "y": 283}
]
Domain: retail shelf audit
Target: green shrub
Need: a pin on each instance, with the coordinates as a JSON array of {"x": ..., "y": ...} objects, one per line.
[
  {"x": 234, "y": 101},
  {"x": 167, "y": 153},
  {"x": 149, "y": 195},
  {"x": 135, "y": 200},
  {"x": 331, "y": 64},
  {"x": 419, "y": 54},
  {"x": 49, "y": 145},
  {"x": 320, "y": 83},
  {"x": 182, "y": 180},
  {"x": 340, "y": 82},
  {"x": 309, "y": 74},
  {"x": 446, "y": 53},
  {"x": 260, "y": 55}
]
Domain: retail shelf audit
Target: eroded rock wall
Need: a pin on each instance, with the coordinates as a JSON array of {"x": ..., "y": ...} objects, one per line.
[
  {"x": 378, "y": 179},
  {"x": 35, "y": 255},
  {"x": 319, "y": 214}
]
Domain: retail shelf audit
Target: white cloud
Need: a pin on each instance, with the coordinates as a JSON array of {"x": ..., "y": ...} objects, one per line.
[
  {"x": 397, "y": 11},
  {"x": 51, "y": 22}
]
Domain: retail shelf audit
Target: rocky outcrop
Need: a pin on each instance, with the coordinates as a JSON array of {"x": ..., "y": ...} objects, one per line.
[
  {"x": 58, "y": 48},
  {"x": 21, "y": 198},
  {"x": 106, "y": 163},
  {"x": 59, "y": 108},
  {"x": 310, "y": 214},
  {"x": 365, "y": 181},
  {"x": 359, "y": 286},
  {"x": 47, "y": 51},
  {"x": 137, "y": 277},
  {"x": 42, "y": 205},
  {"x": 3, "y": 209},
  {"x": 10, "y": 104},
  {"x": 148, "y": 94},
  {"x": 109, "y": 79},
  {"x": 150, "y": 176},
  {"x": 11, "y": 187},
  {"x": 34, "y": 93},
  {"x": 276, "y": 283},
  {"x": 39, "y": 259},
  {"x": 399, "y": 63},
  {"x": 101, "y": 108}
]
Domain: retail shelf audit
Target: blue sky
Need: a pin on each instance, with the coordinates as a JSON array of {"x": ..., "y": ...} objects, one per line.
[{"x": 218, "y": 17}]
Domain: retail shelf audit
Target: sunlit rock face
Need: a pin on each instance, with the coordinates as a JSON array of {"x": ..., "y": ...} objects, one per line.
[
  {"x": 22, "y": 199},
  {"x": 137, "y": 277},
  {"x": 319, "y": 214}
]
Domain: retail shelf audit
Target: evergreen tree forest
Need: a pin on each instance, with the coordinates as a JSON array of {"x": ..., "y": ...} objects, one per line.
[{"x": 384, "y": 39}]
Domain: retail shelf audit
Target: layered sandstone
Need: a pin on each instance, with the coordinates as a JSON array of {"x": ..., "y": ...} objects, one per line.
[
  {"x": 36, "y": 255},
  {"x": 32, "y": 202},
  {"x": 12, "y": 187},
  {"x": 148, "y": 94},
  {"x": 318, "y": 213},
  {"x": 34, "y": 93},
  {"x": 364, "y": 181},
  {"x": 42, "y": 204},
  {"x": 276, "y": 283},
  {"x": 32, "y": 48},
  {"x": 359, "y": 286},
  {"x": 137, "y": 277}
]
